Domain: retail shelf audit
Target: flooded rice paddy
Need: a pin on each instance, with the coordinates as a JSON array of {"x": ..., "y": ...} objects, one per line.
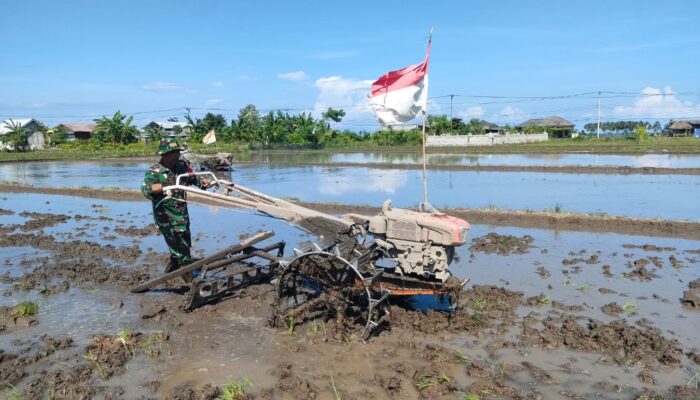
[
  {"x": 650, "y": 196},
  {"x": 599, "y": 277}
]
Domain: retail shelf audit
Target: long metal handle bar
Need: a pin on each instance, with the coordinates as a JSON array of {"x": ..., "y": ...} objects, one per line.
[{"x": 254, "y": 200}]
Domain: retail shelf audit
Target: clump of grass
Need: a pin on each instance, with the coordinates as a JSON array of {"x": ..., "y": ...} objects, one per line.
[
  {"x": 12, "y": 393},
  {"x": 126, "y": 334},
  {"x": 583, "y": 288},
  {"x": 426, "y": 382},
  {"x": 461, "y": 356},
  {"x": 27, "y": 308},
  {"x": 546, "y": 300},
  {"x": 49, "y": 393},
  {"x": 236, "y": 389},
  {"x": 90, "y": 356},
  {"x": 629, "y": 307},
  {"x": 154, "y": 344},
  {"x": 479, "y": 305},
  {"x": 471, "y": 396}
]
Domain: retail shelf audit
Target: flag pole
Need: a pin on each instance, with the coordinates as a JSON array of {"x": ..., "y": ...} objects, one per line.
[
  {"x": 425, "y": 176},
  {"x": 425, "y": 113}
]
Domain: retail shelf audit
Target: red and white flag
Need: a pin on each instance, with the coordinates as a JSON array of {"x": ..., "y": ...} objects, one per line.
[
  {"x": 209, "y": 138},
  {"x": 398, "y": 96}
]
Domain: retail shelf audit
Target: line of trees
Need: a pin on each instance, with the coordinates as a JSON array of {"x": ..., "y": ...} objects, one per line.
[{"x": 625, "y": 128}]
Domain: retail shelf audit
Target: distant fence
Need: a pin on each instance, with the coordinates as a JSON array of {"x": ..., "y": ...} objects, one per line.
[{"x": 483, "y": 140}]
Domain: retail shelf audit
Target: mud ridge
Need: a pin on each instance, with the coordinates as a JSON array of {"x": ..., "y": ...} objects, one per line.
[{"x": 539, "y": 220}]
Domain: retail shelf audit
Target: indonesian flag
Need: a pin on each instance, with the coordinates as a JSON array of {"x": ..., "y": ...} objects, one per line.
[
  {"x": 398, "y": 96},
  {"x": 209, "y": 138}
]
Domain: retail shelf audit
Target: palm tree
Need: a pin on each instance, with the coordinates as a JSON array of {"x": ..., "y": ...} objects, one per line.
[
  {"x": 18, "y": 135},
  {"x": 117, "y": 129}
]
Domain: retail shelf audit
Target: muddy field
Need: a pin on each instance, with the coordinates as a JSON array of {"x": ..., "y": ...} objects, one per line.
[{"x": 546, "y": 315}]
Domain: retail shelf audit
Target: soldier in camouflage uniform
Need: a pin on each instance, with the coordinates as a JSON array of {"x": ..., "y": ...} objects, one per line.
[{"x": 170, "y": 213}]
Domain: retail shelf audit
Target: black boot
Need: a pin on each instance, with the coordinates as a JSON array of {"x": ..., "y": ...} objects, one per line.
[{"x": 173, "y": 265}]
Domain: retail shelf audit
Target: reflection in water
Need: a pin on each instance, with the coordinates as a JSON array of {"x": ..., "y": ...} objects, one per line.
[
  {"x": 664, "y": 196},
  {"x": 376, "y": 181},
  {"x": 646, "y": 160}
]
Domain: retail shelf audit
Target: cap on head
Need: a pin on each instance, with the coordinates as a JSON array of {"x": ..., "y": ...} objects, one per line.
[{"x": 168, "y": 145}]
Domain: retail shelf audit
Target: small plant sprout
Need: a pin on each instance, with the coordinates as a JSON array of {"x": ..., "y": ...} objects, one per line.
[
  {"x": 471, "y": 396},
  {"x": 445, "y": 378},
  {"x": 479, "y": 305},
  {"x": 236, "y": 389},
  {"x": 425, "y": 382},
  {"x": 557, "y": 208},
  {"x": 90, "y": 356},
  {"x": 461, "y": 356},
  {"x": 546, "y": 300},
  {"x": 629, "y": 307},
  {"x": 335, "y": 389},
  {"x": 11, "y": 393},
  {"x": 154, "y": 344},
  {"x": 27, "y": 308},
  {"x": 313, "y": 328},
  {"x": 583, "y": 288},
  {"x": 291, "y": 323}
]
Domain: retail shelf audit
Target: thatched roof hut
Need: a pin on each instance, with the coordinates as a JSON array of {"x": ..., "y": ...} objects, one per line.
[
  {"x": 556, "y": 125},
  {"x": 681, "y": 125},
  {"x": 680, "y": 128}
]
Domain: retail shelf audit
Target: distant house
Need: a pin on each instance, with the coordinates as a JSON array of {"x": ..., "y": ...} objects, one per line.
[
  {"x": 35, "y": 136},
  {"x": 170, "y": 128},
  {"x": 77, "y": 131},
  {"x": 556, "y": 126},
  {"x": 685, "y": 128}
]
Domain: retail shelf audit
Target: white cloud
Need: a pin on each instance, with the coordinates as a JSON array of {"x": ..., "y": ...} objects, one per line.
[
  {"x": 348, "y": 94},
  {"x": 472, "y": 112},
  {"x": 655, "y": 103},
  {"x": 376, "y": 181},
  {"x": 160, "y": 86},
  {"x": 296, "y": 76},
  {"x": 510, "y": 114},
  {"x": 218, "y": 84},
  {"x": 244, "y": 77},
  {"x": 213, "y": 102}
]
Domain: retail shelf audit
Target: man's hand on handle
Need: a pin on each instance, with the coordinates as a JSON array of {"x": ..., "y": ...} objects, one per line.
[{"x": 157, "y": 188}]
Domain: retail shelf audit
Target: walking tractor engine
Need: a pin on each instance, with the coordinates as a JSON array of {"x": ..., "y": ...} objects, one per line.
[
  {"x": 421, "y": 244},
  {"x": 346, "y": 277}
]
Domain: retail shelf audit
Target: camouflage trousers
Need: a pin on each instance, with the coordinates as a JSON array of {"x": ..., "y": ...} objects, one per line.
[{"x": 179, "y": 242}]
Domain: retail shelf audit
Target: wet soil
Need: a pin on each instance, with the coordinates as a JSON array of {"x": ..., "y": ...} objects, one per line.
[
  {"x": 503, "y": 340},
  {"x": 691, "y": 297},
  {"x": 501, "y": 244}
]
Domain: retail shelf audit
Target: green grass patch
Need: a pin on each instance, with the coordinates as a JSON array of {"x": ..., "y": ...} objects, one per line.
[
  {"x": 236, "y": 389},
  {"x": 27, "y": 308}
]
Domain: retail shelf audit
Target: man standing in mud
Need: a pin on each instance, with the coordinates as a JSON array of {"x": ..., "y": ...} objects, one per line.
[{"x": 170, "y": 212}]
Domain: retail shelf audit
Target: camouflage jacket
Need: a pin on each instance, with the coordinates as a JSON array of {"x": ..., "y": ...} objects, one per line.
[{"x": 172, "y": 211}]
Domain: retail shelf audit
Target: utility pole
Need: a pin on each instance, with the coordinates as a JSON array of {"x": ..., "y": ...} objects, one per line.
[
  {"x": 451, "y": 128},
  {"x": 598, "y": 129}
]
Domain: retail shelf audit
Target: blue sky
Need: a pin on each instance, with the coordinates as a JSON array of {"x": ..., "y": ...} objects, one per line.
[{"x": 68, "y": 61}]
